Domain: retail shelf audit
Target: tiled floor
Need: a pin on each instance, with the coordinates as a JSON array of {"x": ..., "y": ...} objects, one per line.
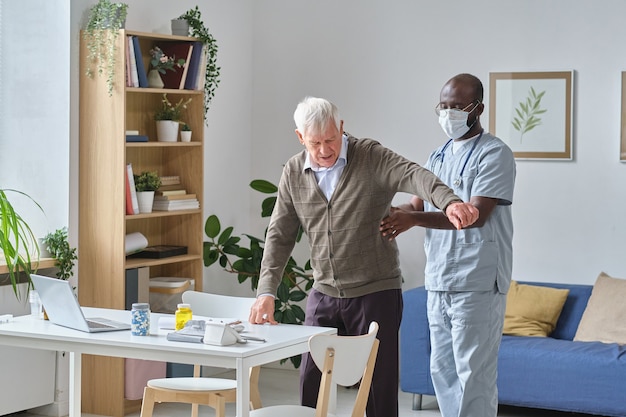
[{"x": 281, "y": 387}]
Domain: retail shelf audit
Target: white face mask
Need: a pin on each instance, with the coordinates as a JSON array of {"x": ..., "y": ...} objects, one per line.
[{"x": 454, "y": 122}]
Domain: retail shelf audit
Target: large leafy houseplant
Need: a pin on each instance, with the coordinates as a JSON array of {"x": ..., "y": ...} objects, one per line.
[
  {"x": 197, "y": 29},
  {"x": 227, "y": 250},
  {"x": 100, "y": 36},
  {"x": 18, "y": 244}
]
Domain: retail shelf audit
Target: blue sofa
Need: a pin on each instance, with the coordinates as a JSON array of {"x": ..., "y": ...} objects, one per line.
[{"x": 552, "y": 373}]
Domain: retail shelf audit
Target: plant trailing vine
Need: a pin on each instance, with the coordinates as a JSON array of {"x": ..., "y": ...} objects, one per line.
[
  {"x": 235, "y": 258},
  {"x": 197, "y": 29},
  {"x": 100, "y": 36},
  {"x": 59, "y": 247}
]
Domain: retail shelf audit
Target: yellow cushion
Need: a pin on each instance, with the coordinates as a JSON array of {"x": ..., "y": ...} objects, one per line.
[
  {"x": 532, "y": 310},
  {"x": 604, "y": 318}
]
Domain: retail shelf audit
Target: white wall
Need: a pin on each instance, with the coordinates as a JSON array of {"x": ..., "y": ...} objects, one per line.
[{"x": 384, "y": 63}]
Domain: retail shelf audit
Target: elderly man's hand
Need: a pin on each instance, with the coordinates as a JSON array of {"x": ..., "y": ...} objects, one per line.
[{"x": 462, "y": 214}]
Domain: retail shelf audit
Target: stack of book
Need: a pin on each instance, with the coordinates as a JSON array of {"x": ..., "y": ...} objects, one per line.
[
  {"x": 171, "y": 196},
  {"x": 191, "y": 76}
]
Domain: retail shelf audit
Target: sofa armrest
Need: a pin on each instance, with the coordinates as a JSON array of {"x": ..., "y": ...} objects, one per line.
[{"x": 415, "y": 344}]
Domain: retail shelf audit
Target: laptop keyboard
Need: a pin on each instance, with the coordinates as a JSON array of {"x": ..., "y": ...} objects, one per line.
[{"x": 97, "y": 325}]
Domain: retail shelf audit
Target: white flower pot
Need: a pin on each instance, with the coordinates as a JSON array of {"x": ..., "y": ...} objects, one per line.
[
  {"x": 167, "y": 131},
  {"x": 185, "y": 135},
  {"x": 145, "y": 200}
]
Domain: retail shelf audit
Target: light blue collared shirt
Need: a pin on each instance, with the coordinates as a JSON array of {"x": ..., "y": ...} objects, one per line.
[{"x": 328, "y": 178}]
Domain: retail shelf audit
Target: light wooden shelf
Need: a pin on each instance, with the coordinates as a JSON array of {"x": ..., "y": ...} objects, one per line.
[{"x": 103, "y": 222}]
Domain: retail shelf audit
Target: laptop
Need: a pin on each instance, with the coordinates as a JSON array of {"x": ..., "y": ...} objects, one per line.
[{"x": 62, "y": 308}]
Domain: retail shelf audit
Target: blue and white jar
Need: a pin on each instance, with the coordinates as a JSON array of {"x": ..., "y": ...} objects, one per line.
[{"x": 140, "y": 319}]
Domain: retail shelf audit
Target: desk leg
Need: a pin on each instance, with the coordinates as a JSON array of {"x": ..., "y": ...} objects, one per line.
[
  {"x": 75, "y": 384},
  {"x": 243, "y": 389}
]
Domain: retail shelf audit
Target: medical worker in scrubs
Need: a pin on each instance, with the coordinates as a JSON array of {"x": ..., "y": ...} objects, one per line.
[{"x": 468, "y": 271}]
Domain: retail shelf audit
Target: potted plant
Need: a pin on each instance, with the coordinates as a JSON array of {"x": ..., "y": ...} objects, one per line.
[
  {"x": 160, "y": 63},
  {"x": 57, "y": 244},
  {"x": 168, "y": 117},
  {"x": 185, "y": 133},
  {"x": 197, "y": 29},
  {"x": 18, "y": 246},
  {"x": 230, "y": 254},
  {"x": 100, "y": 36},
  {"x": 146, "y": 183}
]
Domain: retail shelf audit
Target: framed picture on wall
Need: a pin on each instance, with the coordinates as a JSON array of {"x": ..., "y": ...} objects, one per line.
[{"x": 532, "y": 113}]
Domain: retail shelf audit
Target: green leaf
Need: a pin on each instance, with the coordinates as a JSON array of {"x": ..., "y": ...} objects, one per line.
[
  {"x": 225, "y": 235},
  {"x": 263, "y": 186},
  {"x": 267, "y": 207},
  {"x": 212, "y": 226},
  {"x": 297, "y": 296},
  {"x": 210, "y": 257}
]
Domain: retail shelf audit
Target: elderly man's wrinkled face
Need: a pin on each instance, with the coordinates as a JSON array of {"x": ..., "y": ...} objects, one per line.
[{"x": 324, "y": 147}]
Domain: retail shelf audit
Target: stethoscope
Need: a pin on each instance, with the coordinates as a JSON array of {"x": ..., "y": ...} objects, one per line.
[{"x": 457, "y": 182}]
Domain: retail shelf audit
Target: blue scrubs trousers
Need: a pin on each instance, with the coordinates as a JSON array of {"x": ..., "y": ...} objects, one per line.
[{"x": 465, "y": 334}]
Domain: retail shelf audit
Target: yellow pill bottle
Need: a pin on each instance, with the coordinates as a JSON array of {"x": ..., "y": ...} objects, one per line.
[{"x": 182, "y": 315}]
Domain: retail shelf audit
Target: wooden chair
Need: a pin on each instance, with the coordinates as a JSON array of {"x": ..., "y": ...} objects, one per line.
[
  {"x": 214, "y": 392},
  {"x": 342, "y": 359}
]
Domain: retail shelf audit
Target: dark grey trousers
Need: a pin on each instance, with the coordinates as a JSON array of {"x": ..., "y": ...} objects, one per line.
[{"x": 352, "y": 316}]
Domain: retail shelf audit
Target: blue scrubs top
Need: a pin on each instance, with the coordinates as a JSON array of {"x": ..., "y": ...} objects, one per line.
[{"x": 473, "y": 259}]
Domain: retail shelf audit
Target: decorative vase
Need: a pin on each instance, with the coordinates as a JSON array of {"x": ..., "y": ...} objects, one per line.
[
  {"x": 185, "y": 135},
  {"x": 154, "y": 79},
  {"x": 180, "y": 27},
  {"x": 167, "y": 131},
  {"x": 145, "y": 200}
]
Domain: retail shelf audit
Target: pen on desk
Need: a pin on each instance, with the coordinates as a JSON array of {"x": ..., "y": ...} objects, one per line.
[{"x": 252, "y": 338}]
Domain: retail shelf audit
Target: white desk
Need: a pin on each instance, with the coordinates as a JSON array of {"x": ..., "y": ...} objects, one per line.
[{"x": 282, "y": 341}]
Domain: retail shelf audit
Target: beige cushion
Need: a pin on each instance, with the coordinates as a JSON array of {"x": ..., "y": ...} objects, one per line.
[
  {"x": 604, "y": 319},
  {"x": 532, "y": 310}
]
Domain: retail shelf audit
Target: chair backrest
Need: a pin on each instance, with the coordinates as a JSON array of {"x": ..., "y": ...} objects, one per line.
[
  {"x": 345, "y": 360},
  {"x": 215, "y": 305}
]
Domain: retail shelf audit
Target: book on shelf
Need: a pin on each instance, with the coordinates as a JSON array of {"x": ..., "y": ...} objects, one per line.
[
  {"x": 162, "y": 191},
  {"x": 160, "y": 251},
  {"x": 132, "y": 132},
  {"x": 191, "y": 81},
  {"x": 141, "y": 69},
  {"x": 174, "y": 197},
  {"x": 169, "y": 180},
  {"x": 136, "y": 138},
  {"x": 129, "y": 199},
  {"x": 133, "y": 191},
  {"x": 133, "y": 64},
  {"x": 172, "y": 205},
  {"x": 176, "y": 79},
  {"x": 129, "y": 81},
  {"x": 202, "y": 70}
]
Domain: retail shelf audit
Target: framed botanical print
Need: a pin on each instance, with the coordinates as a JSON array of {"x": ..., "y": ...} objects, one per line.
[{"x": 532, "y": 113}]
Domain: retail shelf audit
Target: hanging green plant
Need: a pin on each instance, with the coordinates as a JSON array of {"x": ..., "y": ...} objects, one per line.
[
  {"x": 100, "y": 36},
  {"x": 59, "y": 247},
  {"x": 197, "y": 29}
]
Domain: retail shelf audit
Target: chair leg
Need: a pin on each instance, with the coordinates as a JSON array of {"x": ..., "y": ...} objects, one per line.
[
  {"x": 147, "y": 405},
  {"x": 220, "y": 406},
  {"x": 255, "y": 394},
  {"x": 194, "y": 410}
]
